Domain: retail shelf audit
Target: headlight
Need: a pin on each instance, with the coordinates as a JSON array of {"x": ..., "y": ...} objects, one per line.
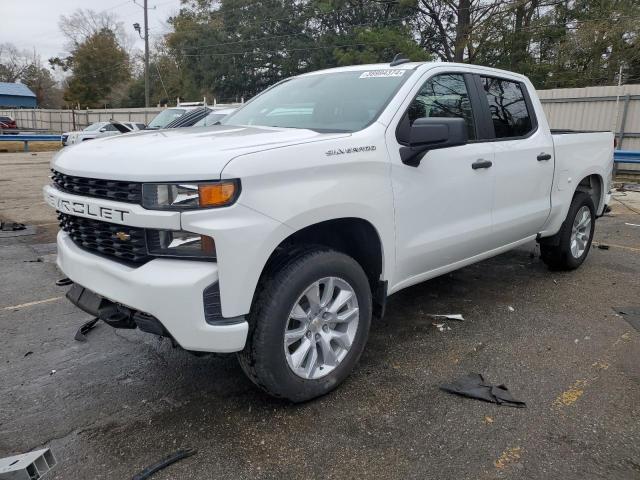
[
  {"x": 189, "y": 196},
  {"x": 171, "y": 243}
]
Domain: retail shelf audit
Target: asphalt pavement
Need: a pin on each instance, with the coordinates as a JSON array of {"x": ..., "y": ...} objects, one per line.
[{"x": 123, "y": 400}]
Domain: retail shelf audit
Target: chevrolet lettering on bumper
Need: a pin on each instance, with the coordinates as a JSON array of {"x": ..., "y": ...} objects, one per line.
[
  {"x": 109, "y": 211},
  {"x": 85, "y": 209}
]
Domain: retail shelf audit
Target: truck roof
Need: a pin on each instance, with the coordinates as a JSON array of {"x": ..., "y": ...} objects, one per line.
[{"x": 412, "y": 66}]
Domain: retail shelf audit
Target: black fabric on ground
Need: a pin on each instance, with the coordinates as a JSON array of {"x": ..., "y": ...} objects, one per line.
[
  {"x": 86, "y": 327},
  {"x": 474, "y": 386}
]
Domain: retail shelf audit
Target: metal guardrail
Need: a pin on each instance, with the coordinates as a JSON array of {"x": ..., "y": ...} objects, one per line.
[
  {"x": 30, "y": 138},
  {"x": 626, "y": 156}
]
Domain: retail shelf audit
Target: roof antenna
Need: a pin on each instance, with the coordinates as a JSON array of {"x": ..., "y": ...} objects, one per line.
[{"x": 398, "y": 60}]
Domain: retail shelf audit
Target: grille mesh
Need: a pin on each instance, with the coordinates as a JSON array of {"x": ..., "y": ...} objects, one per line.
[
  {"x": 100, "y": 237},
  {"x": 130, "y": 192}
]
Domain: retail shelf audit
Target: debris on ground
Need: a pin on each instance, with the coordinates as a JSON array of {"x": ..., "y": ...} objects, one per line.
[
  {"x": 449, "y": 316},
  {"x": 15, "y": 229},
  {"x": 511, "y": 309},
  {"x": 174, "y": 457},
  {"x": 52, "y": 372},
  {"x": 473, "y": 385},
  {"x": 631, "y": 315},
  {"x": 603, "y": 246},
  {"x": 632, "y": 224},
  {"x": 63, "y": 282},
  {"x": 441, "y": 326},
  {"x": 28, "y": 353},
  {"x": 85, "y": 328},
  {"x": 630, "y": 187},
  {"x": 31, "y": 465},
  {"x": 11, "y": 226}
]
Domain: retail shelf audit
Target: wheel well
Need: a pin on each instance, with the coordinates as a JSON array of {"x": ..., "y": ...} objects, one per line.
[
  {"x": 592, "y": 185},
  {"x": 352, "y": 236}
]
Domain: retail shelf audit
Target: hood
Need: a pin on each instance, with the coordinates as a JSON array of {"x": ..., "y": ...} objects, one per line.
[{"x": 181, "y": 154}]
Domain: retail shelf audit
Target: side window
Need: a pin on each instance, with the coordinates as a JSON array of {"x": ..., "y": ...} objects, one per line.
[
  {"x": 444, "y": 96},
  {"x": 508, "y": 107},
  {"x": 110, "y": 128}
]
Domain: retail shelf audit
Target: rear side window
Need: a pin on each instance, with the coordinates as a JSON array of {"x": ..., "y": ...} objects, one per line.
[
  {"x": 445, "y": 96},
  {"x": 508, "y": 107}
]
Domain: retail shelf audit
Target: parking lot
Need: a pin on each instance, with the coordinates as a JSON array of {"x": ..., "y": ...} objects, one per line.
[{"x": 123, "y": 400}]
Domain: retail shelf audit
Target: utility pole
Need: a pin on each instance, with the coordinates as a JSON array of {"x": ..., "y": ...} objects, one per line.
[
  {"x": 146, "y": 55},
  {"x": 145, "y": 37}
]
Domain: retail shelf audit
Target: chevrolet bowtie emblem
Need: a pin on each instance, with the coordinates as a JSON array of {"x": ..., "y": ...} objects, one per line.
[{"x": 123, "y": 236}]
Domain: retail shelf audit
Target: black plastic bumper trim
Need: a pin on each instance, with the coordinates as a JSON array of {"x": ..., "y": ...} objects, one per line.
[{"x": 213, "y": 307}]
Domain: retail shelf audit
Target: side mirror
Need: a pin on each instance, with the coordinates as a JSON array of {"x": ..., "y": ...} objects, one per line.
[
  {"x": 102, "y": 129},
  {"x": 432, "y": 133}
]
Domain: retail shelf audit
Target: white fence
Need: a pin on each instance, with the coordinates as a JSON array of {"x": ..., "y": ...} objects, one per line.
[{"x": 60, "y": 121}]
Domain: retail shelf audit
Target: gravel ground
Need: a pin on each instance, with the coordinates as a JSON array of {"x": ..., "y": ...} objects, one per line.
[{"x": 123, "y": 400}]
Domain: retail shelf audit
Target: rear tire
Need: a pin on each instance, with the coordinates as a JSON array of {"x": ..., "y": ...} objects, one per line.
[
  {"x": 293, "y": 367},
  {"x": 567, "y": 249}
]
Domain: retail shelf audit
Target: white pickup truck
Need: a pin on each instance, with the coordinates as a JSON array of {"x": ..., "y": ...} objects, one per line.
[{"x": 281, "y": 232}]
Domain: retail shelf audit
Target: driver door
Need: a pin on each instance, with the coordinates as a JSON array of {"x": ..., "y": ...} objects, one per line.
[{"x": 443, "y": 205}]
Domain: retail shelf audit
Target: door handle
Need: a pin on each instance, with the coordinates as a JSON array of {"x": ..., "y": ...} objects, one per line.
[
  {"x": 481, "y": 163},
  {"x": 543, "y": 157}
]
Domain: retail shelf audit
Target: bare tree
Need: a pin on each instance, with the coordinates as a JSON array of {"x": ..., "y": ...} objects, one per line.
[
  {"x": 454, "y": 29},
  {"x": 83, "y": 23},
  {"x": 13, "y": 62}
]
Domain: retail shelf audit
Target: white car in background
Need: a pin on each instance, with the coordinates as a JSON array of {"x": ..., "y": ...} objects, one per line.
[{"x": 99, "y": 130}]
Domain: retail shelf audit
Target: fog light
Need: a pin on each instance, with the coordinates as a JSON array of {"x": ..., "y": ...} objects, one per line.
[{"x": 180, "y": 244}]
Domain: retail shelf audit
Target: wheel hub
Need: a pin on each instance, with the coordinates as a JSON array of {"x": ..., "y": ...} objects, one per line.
[
  {"x": 321, "y": 328},
  {"x": 580, "y": 232}
]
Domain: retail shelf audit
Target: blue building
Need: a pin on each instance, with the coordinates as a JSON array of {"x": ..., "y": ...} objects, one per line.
[{"x": 16, "y": 95}]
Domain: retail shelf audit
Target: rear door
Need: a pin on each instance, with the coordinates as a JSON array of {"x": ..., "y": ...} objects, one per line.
[{"x": 523, "y": 162}]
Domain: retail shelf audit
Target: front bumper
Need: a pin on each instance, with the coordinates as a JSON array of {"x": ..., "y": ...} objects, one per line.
[{"x": 170, "y": 290}]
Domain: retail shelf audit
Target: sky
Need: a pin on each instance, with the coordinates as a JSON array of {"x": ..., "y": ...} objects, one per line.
[{"x": 33, "y": 24}]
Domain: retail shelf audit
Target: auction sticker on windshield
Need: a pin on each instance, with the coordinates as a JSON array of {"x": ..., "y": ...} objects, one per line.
[{"x": 382, "y": 73}]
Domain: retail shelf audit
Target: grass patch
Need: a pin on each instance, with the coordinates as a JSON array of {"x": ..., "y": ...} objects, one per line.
[{"x": 16, "y": 147}]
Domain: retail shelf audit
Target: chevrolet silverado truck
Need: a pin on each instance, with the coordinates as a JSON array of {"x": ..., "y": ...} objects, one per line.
[{"x": 280, "y": 233}]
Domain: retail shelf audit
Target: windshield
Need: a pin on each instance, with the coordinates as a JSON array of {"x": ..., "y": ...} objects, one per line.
[
  {"x": 210, "y": 119},
  {"x": 342, "y": 101},
  {"x": 165, "y": 117},
  {"x": 94, "y": 127}
]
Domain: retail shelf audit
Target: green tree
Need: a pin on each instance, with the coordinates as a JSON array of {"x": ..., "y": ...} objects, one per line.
[
  {"x": 239, "y": 48},
  {"x": 42, "y": 83},
  {"x": 99, "y": 65}
]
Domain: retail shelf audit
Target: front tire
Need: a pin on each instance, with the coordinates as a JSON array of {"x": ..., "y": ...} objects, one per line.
[
  {"x": 308, "y": 325},
  {"x": 570, "y": 246}
]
